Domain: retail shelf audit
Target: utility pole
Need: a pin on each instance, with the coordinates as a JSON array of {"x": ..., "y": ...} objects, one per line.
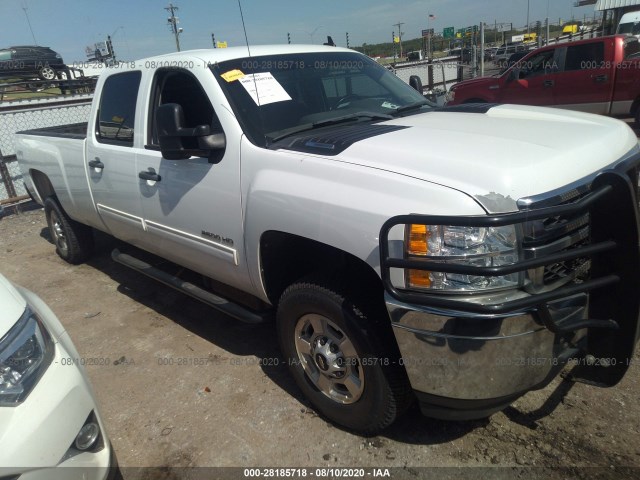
[
  {"x": 399, "y": 25},
  {"x": 347, "y": 39},
  {"x": 213, "y": 39},
  {"x": 393, "y": 42},
  {"x": 173, "y": 21},
  {"x": 288, "y": 38},
  {"x": 527, "y": 17}
]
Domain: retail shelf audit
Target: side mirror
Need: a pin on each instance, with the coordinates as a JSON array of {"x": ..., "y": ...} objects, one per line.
[
  {"x": 172, "y": 134},
  {"x": 415, "y": 83},
  {"x": 514, "y": 74}
]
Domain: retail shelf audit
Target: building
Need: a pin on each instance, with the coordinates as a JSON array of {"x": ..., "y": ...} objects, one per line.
[{"x": 612, "y": 11}]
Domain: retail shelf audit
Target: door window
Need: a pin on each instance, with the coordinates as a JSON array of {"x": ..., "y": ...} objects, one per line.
[
  {"x": 175, "y": 86},
  {"x": 540, "y": 64},
  {"x": 117, "y": 113},
  {"x": 588, "y": 55}
]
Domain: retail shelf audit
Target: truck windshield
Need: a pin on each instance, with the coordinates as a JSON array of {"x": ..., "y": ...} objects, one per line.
[{"x": 274, "y": 95}]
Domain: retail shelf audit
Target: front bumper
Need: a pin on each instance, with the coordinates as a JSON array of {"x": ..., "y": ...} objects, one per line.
[
  {"x": 464, "y": 366},
  {"x": 467, "y": 359},
  {"x": 37, "y": 436}
]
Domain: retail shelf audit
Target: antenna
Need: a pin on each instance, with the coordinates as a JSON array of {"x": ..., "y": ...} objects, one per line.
[
  {"x": 246, "y": 39},
  {"x": 24, "y": 7}
]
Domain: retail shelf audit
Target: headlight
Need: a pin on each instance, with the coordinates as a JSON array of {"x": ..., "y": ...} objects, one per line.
[
  {"x": 471, "y": 246},
  {"x": 450, "y": 96},
  {"x": 25, "y": 353}
]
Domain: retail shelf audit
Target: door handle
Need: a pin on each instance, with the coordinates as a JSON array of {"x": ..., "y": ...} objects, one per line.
[
  {"x": 96, "y": 163},
  {"x": 600, "y": 78},
  {"x": 149, "y": 175},
  {"x": 548, "y": 83}
]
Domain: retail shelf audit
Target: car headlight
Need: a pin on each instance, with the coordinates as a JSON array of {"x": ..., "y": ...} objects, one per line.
[
  {"x": 469, "y": 246},
  {"x": 450, "y": 96},
  {"x": 25, "y": 353}
]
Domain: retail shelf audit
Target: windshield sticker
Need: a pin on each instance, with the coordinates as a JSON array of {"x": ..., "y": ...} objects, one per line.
[
  {"x": 263, "y": 88},
  {"x": 390, "y": 105},
  {"x": 232, "y": 75}
]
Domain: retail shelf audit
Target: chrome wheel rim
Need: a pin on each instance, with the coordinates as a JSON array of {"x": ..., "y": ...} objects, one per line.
[
  {"x": 329, "y": 359},
  {"x": 57, "y": 232},
  {"x": 48, "y": 73}
]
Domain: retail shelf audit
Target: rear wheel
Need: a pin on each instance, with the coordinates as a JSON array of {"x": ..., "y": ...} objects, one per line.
[
  {"x": 73, "y": 240},
  {"x": 340, "y": 356},
  {"x": 47, "y": 73}
]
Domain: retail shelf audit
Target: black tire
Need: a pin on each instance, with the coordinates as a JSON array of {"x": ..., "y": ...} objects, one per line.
[
  {"x": 73, "y": 240},
  {"x": 381, "y": 392}
]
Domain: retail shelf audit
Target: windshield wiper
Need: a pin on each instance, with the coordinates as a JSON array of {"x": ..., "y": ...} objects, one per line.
[
  {"x": 352, "y": 116},
  {"x": 412, "y": 106},
  {"x": 330, "y": 121}
]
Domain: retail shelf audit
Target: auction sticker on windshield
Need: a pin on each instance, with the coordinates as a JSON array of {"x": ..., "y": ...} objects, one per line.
[
  {"x": 232, "y": 75},
  {"x": 263, "y": 88}
]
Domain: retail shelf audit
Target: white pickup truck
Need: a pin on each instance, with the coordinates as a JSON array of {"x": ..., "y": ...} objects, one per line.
[{"x": 461, "y": 256}]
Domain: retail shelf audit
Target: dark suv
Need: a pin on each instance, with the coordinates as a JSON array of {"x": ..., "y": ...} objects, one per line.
[{"x": 30, "y": 61}]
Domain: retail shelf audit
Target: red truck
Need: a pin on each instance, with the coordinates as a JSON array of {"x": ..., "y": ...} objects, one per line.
[{"x": 599, "y": 75}]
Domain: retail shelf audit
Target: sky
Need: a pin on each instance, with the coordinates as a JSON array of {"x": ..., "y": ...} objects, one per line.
[{"x": 139, "y": 27}]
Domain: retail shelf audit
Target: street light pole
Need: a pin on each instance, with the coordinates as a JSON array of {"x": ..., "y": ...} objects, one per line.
[
  {"x": 547, "y": 41},
  {"x": 527, "y": 17}
]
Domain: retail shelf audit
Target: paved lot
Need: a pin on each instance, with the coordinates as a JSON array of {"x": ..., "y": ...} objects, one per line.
[{"x": 182, "y": 386}]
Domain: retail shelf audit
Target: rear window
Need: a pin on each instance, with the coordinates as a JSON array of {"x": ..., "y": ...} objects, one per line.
[{"x": 4, "y": 56}]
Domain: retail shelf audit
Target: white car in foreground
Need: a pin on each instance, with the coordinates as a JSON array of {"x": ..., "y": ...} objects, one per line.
[{"x": 48, "y": 412}]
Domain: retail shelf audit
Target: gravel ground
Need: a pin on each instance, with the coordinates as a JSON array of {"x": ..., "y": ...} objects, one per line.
[{"x": 180, "y": 385}]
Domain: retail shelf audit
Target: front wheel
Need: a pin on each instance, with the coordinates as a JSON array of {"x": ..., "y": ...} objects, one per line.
[
  {"x": 73, "y": 240},
  {"x": 340, "y": 357}
]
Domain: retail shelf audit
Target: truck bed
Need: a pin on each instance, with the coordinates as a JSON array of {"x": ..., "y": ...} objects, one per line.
[{"x": 74, "y": 130}]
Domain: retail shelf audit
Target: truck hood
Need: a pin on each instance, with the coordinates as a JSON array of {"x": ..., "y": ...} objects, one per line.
[
  {"x": 476, "y": 82},
  {"x": 496, "y": 154}
]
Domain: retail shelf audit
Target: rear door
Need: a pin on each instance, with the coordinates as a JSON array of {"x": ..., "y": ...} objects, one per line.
[
  {"x": 586, "y": 77},
  {"x": 111, "y": 158}
]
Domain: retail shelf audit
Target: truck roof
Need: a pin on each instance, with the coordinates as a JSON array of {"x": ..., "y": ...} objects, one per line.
[{"x": 231, "y": 53}]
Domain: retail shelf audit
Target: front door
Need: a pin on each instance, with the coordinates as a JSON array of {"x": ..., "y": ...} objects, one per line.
[
  {"x": 532, "y": 81},
  {"x": 192, "y": 208}
]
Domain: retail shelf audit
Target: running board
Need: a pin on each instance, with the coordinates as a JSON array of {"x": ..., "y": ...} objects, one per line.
[{"x": 225, "y": 306}]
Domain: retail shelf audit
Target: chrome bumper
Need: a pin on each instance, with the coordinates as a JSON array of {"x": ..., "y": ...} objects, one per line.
[{"x": 466, "y": 357}]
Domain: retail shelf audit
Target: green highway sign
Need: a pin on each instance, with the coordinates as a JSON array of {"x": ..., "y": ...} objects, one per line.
[{"x": 448, "y": 32}]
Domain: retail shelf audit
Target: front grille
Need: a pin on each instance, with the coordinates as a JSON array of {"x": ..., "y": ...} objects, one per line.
[
  {"x": 555, "y": 234},
  {"x": 559, "y": 233}
]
